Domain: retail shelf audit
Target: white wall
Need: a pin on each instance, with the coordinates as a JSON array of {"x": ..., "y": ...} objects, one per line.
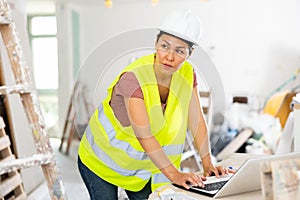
[
  {"x": 254, "y": 44},
  {"x": 64, "y": 61}
]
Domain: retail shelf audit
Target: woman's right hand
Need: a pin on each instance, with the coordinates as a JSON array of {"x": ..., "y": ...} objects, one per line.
[{"x": 188, "y": 179}]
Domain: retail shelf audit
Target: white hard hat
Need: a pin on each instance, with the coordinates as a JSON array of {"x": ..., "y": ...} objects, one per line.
[{"x": 183, "y": 24}]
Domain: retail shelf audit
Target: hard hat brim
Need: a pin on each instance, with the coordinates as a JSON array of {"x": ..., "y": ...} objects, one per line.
[{"x": 180, "y": 36}]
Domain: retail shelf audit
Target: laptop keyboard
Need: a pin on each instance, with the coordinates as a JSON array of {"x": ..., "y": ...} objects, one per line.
[{"x": 214, "y": 186}]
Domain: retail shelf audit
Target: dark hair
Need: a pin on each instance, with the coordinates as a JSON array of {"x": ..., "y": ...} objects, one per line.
[{"x": 190, "y": 44}]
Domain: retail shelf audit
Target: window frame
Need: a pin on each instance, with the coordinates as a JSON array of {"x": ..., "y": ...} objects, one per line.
[
  {"x": 48, "y": 98},
  {"x": 32, "y": 37}
]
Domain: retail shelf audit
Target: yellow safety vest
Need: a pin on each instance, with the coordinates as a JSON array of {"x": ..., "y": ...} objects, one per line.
[{"x": 114, "y": 153}]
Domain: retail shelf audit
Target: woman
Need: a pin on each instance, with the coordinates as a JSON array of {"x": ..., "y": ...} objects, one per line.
[{"x": 135, "y": 138}]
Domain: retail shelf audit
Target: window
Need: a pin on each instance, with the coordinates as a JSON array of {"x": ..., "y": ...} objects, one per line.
[{"x": 43, "y": 39}]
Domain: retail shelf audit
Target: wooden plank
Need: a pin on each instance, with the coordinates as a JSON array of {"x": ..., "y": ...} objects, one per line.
[
  {"x": 205, "y": 110},
  {"x": 8, "y": 158},
  {"x": 18, "y": 190},
  {"x": 235, "y": 144},
  {"x": 4, "y": 142},
  {"x": 5, "y": 153},
  {"x": 21, "y": 196},
  {"x": 10, "y": 184},
  {"x": 2, "y": 133},
  {"x": 18, "y": 193},
  {"x": 15, "y": 181},
  {"x": 2, "y": 125}
]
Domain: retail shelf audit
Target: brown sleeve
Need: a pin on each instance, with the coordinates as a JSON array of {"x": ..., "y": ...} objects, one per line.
[
  {"x": 128, "y": 86},
  {"x": 195, "y": 79}
]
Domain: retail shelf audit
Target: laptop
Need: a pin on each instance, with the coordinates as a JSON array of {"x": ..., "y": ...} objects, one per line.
[{"x": 246, "y": 179}]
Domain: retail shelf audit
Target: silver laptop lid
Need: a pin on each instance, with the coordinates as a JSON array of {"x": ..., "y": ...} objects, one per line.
[{"x": 247, "y": 178}]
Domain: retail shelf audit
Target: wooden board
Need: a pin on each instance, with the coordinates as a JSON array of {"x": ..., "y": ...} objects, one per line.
[
  {"x": 235, "y": 144},
  {"x": 11, "y": 184}
]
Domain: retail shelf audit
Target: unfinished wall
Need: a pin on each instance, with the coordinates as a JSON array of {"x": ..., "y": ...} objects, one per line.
[{"x": 253, "y": 43}]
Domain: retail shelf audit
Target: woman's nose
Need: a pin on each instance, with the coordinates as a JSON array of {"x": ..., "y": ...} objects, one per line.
[{"x": 170, "y": 55}]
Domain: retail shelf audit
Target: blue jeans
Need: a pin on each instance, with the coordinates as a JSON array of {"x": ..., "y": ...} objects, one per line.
[{"x": 99, "y": 189}]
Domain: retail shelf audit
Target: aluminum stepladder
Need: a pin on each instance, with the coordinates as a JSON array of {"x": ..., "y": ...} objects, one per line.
[{"x": 24, "y": 87}]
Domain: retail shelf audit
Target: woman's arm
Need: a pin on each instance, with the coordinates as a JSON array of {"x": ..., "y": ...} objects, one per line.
[
  {"x": 139, "y": 120},
  {"x": 198, "y": 128}
]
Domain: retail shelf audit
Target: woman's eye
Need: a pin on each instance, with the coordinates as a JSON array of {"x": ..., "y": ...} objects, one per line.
[
  {"x": 180, "y": 52},
  {"x": 164, "y": 46}
]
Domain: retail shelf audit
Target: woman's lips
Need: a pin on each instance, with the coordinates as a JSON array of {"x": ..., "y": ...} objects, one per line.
[{"x": 168, "y": 65}]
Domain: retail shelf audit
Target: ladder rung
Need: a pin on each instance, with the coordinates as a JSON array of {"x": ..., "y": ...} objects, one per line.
[
  {"x": 15, "y": 89},
  {"x": 8, "y": 158},
  {"x": 205, "y": 110},
  {"x": 5, "y": 17},
  {"x": 10, "y": 184},
  {"x": 4, "y": 21},
  {"x": 21, "y": 196},
  {"x": 204, "y": 94},
  {"x": 187, "y": 155},
  {"x": 4, "y": 142},
  {"x": 21, "y": 163}
]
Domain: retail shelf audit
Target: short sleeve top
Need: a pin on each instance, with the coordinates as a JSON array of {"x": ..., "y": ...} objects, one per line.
[{"x": 129, "y": 87}]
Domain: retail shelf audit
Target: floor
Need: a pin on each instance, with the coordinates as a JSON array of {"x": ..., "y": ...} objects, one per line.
[{"x": 67, "y": 165}]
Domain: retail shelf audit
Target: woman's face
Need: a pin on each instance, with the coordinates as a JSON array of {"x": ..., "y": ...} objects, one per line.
[{"x": 171, "y": 52}]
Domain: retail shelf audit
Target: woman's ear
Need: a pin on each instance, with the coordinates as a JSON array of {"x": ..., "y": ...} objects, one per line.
[{"x": 191, "y": 51}]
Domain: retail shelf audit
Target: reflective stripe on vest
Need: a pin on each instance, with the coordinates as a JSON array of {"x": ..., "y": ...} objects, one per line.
[
  {"x": 107, "y": 147},
  {"x": 169, "y": 150},
  {"x": 125, "y": 146},
  {"x": 159, "y": 178}
]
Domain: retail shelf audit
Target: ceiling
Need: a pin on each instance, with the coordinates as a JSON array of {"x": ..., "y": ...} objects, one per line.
[
  {"x": 73, "y": 1},
  {"x": 87, "y": 1}
]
